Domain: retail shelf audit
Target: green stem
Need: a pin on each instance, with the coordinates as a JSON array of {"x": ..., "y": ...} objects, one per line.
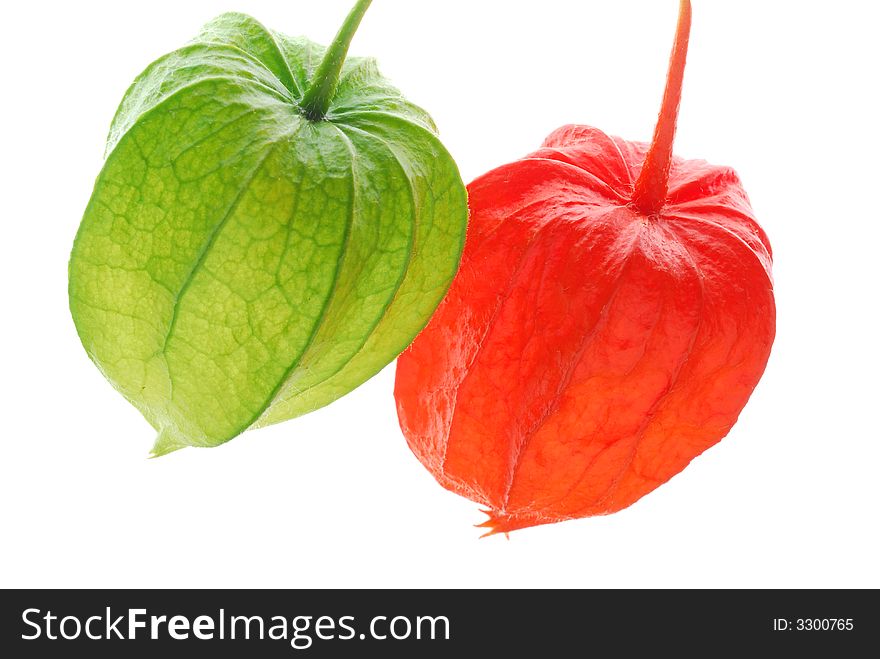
[
  {"x": 653, "y": 184},
  {"x": 317, "y": 98}
]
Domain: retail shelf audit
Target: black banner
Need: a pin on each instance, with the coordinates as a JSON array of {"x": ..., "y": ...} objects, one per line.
[{"x": 429, "y": 623}]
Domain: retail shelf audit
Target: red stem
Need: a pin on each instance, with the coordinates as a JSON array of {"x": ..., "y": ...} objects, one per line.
[{"x": 651, "y": 188}]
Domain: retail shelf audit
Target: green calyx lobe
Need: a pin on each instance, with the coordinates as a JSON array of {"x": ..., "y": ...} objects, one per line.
[{"x": 261, "y": 239}]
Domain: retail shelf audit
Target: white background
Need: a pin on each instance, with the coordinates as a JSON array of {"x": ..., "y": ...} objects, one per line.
[{"x": 786, "y": 92}]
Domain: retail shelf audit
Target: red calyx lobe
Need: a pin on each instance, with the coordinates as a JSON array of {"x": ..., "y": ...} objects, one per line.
[{"x": 595, "y": 340}]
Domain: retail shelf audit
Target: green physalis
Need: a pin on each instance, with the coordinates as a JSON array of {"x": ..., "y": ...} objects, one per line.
[{"x": 273, "y": 224}]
